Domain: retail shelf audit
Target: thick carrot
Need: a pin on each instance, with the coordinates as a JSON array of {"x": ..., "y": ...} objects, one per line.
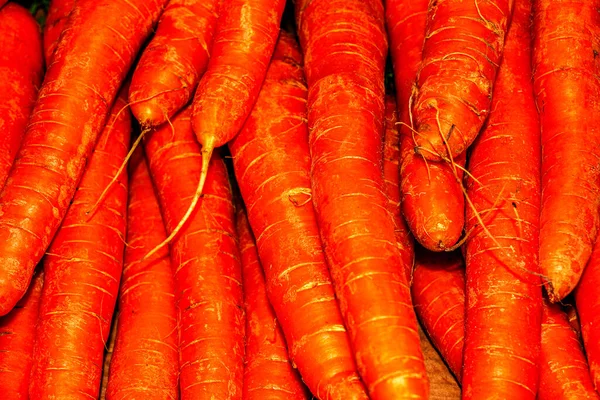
[
  {"x": 17, "y": 333},
  {"x": 82, "y": 271},
  {"x": 58, "y": 12},
  {"x": 268, "y": 373},
  {"x": 438, "y": 292},
  {"x": 21, "y": 67},
  {"x": 172, "y": 64},
  {"x": 503, "y": 285},
  {"x": 432, "y": 198},
  {"x": 100, "y": 42},
  {"x": 206, "y": 263},
  {"x": 564, "y": 370},
  {"x": 145, "y": 359},
  {"x": 568, "y": 98},
  {"x": 271, "y": 160},
  {"x": 345, "y": 118},
  {"x": 463, "y": 48},
  {"x": 391, "y": 155}
]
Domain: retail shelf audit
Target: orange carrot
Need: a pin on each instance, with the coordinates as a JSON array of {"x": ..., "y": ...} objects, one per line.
[
  {"x": 58, "y": 13},
  {"x": 110, "y": 346}
]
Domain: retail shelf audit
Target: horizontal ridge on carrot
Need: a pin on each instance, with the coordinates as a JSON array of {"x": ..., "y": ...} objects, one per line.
[
  {"x": 277, "y": 195},
  {"x": 58, "y": 13}
]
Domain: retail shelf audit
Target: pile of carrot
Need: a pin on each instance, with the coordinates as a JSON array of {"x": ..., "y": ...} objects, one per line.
[{"x": 252, "y": 199}]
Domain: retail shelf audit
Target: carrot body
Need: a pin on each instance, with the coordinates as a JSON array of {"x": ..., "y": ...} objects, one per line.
[
  {"x": 67, "y": 118},
  {"x": 461, "y": 55},
  {"x": 277, "y": 194},
  {"x": 145, "y": 359},
  {"x": 206, "y": 263},
  {"x": 345, "y": 118},
  {"x": 110, "y": 347},
  {"x": 172, "y": 64},
  {"x": 391, "y": 155},
  {"x": 3, "y": 2},
  {"x": 82, "y": 273},
  {"x": 432, "y": 198},
  {"x": 21, "y": 66},
  {"x": 568, "y": 98},
  {"x": 503, "y": 285},
  {"x": 268, "y": 373},
  {"x": 563, "y": 368},
  {"x": 17, "y": 333},
  {"x": 58, "y": 12},
  {"x": 438, "y": 292}
]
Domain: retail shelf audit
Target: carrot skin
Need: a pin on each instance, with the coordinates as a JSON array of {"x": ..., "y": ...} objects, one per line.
[
  {"x": 345, "y": 119},
  {"x": 206, "y": 262},
  {"x": 145, "y": 358},
  {"x": 432, "y": 198},
  {"x": 277, "y": 194},
  {"x": 461, "y": 54},
  {"x": 67, "y": 118},
  {"x": 17, "y": 333},
  {"x": 172, "y": 64},
  {"x": 58, "y": 13},
  {"x": 21, "y": 68},
  {"x": 82, "y": 273},
  {"x": 110, "y": 347},
  {"x": 568, "y": 99}
]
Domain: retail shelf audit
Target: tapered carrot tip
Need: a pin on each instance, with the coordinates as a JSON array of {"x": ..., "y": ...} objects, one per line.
[
  {"x": 433, "y": 140},
  {"x": 349, "y": 388},
  {"x": 559, "y": 280},
  {"x": 441, "y": 235}
]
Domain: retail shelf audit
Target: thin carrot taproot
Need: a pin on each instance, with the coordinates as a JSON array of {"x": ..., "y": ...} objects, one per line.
[
  {"x": 58, "y": 12},
  {"x": 271, "y": 160}
]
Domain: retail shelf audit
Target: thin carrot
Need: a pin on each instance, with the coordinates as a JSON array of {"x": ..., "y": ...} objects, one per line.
[
  {"x": 568, "y": 99},
  {"x": 145, "y": 359},
  {"x": 172, "y": 64},
  {"x": 21, "y": 66},
  {"x": 99, "y": 44},
  {"x": 107, "y": 359},
  {"x": 17, "y": 333},
  {"x": 82, "y": 272},
  {"x": 345, "y": 118},
  {"x": 58, "y": 12},
  {"x": 206, "y": 263},
  {"x": 271, "y": 161}
]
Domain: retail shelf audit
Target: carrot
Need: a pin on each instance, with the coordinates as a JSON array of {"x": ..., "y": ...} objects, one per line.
[
  {"x": 568, "y": 98},
  {"x": 268, "y": 373},
  {"x": 17, "y": 331},
  {"x": 206, "y": 263},
  {"x": 438, "y": 293},
  {"x": 345, "y": 118},
  {"x": 110, "y": 346},
  {"x": 145, "y": 360},
  {"x": 172, "y": 64},
  {"x": 82, "y": 272},
  {"x": 463, "y": 48},
  {"x": 563, "y": 368},
  {"x": 391, "y": 154},
  {"x": 3, "y": 2},
  {"x": 100, "y": 42},
  {"x": 58, "y": 13},
  {"x": 573, "y": 319},
  {"x": 271, "y": 160},
  {"x": 20, "y": 77},
  {"x": 432, "y": 198}
]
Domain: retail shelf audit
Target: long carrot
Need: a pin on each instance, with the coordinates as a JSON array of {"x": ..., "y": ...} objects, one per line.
[
  {"x": 391, "y": 155},
  {"x": 206, "y": 263},
  {"x": 17, "y": 333},
  {"x": 58, "y": 12},
  {"x": 432, "y": 198},
  {"x": 145, "y": 359},
  {"x": 503, "y": 285},
  {"x": 21, "y": 66},
  {"x": 345, "y": 118},
  {"x": 568, "y": 99},
  {"x": 100, "y": 42},
  {"x": 271, "y": 160},
  {"x": 268, "y": 373},
  {"x": 82, "y": 273},
  {"x": 172, "y": 64}
]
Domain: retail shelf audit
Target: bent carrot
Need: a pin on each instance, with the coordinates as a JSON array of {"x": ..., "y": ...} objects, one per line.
[
  {"x": 100, "y": 42},
  {"x": 271, "y": 161},
  {"x": 206, "y": 263},
  {"x": 145, "y": 359},
  {"x": 82, "y": 273},
  {"x": 171, "y": 66},
  {"x": 568, "y": 98},
  {"x": 58, "y": 12},
  {"x": 345, "y": 118}
]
